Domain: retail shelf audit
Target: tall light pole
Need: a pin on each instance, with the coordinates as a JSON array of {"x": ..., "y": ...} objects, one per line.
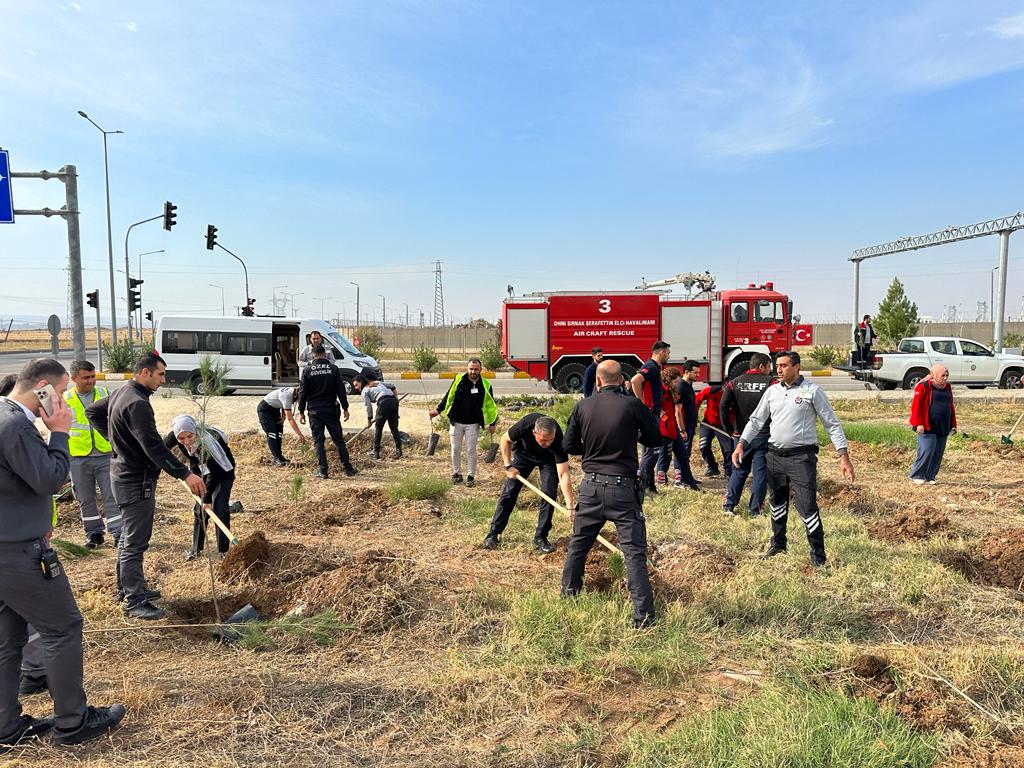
[
  {"x": 992, "y": 294},
  {"x": 274, "y": 292},
  {"x": 147, "y": 253},
  {"x": 291, "y": 296},
  {"x": 110, "y": 237},
  {"x": 212, "y": 285},
  {"x": 357, "y": 301},
  {"x": 321, "y": 299},
  {"x": 406, "y": 313},
  {"x": 383, "y": 310}
]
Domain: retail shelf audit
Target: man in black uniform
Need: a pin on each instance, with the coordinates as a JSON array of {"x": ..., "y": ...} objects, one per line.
[
  {"x": 536, "y": 441},
  {"x": 126, "y": 421},
  {"x": 603, "y": 429},
  {"x": 647, "y": 386},
  {"x": 740, "y": 397},
  {"x": 322, "y": 387}
]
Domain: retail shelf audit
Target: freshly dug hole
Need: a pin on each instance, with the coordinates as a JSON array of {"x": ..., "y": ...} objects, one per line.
[
  {"x": 682, "y": 568},
  {"x": 997, "y": 562}
]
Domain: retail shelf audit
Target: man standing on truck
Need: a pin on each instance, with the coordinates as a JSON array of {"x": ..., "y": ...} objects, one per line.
[
  {"x": 740, "y": 397},
  {"x": 322, "y": 387},
  {"x": 469, "y": 405},
  {"x": 864, "y": 337},
  {"x": 794, "y": 406},
  {"x": 647, "y": 387}
]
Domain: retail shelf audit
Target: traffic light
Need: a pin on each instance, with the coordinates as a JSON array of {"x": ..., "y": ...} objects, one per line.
[
  {"x": 93, "y": 299},
  {"x": 211, "y": 236},
  {"x": 149, "y": 315},
  {"x": 170, "y": 215},
  {"x": 248, "y": 310},
  {"x": 134, "y": 294}
]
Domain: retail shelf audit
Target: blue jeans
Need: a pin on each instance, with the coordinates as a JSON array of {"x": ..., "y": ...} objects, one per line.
[
  {"x": 754, "y": 463},
  {"x": 930, "y": 449}
]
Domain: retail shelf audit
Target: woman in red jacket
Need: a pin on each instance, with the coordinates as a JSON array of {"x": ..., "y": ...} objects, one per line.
[{"x": 933, "y": 415}]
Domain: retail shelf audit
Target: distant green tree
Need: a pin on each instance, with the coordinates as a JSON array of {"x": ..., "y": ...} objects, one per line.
[{"x": 896, "y": 316}]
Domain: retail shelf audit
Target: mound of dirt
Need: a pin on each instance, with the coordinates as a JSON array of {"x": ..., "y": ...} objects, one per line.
[
  {"x": 312, "y": 516},
  {"x": 597, "y": 574},
  {"x": 1001, "y": 559},
  {"x": 376, "y": 591},
  {"x": 869, "y": 666},
  {"x": 926, "y": 711},
  {"x": 849, "y": 498},
  {"x": 248, "y": 557},
  {"x": 911, "y": 524},
  {"x": 682, "y": 568}
]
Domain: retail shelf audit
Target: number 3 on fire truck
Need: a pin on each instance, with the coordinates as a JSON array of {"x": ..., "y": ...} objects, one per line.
[{"x": 604, "y": 305}]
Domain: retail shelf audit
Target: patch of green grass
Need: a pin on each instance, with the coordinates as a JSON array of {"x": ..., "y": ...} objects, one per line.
[
  {"x": 591, "y": 634},
  {"x": 785, "y": 602},
  {"x": 69, "y": 550},
  {"x": 792, "y": 726},
  {"x": 901, "y": 436},
  {"x": 417, "y": 486},
  {"x": 322, "y": 629}
]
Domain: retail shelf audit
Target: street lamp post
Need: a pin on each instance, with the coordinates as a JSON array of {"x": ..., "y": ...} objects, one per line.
[
  {"x": 383, "y": 310},
  {"x": 321, "y": 299},
  {"x": 147, "y": 253},
  {"x": 357, "y": 301},
  {"x": 212, "y": 285},
  {"x": 110, "y": 237},
  {"x": 274, "y": 292},
  {"x": 291, "y": 296}
]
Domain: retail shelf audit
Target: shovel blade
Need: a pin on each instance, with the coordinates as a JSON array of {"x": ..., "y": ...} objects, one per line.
[
  {"x": 432, "y": 443},
  {"x": 491, "y": 453}
]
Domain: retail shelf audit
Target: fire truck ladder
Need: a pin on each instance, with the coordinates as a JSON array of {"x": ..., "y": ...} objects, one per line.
[{"x": 703, "y": 281}]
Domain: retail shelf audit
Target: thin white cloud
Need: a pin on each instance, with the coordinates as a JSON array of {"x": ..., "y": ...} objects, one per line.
[
  {"x": 71, "y": 6},
  {"x": 131, "y": 26},
  {"x": 1008, "y": 27}
]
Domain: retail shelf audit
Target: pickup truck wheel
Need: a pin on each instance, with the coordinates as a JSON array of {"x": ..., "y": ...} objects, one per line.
[
  {"x": 913, "y": 377},
  {"x": 887, "y": 385},
  {"x": 1011, "y": 379}
]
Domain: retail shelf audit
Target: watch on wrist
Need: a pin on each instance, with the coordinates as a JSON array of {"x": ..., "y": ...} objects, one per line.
[{"x": 508, "y": 466}]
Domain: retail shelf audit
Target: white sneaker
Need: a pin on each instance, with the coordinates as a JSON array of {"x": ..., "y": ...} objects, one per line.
[
  {"x": 933, "y": 482},
  {"x": 918, "y": 481}
]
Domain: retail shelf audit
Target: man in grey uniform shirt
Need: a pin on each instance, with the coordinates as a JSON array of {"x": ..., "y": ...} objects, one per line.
[
  {"x": 794, "y": 406},
  {"x": 33, "y": 585},
  {"x": 315, "y": 340}
]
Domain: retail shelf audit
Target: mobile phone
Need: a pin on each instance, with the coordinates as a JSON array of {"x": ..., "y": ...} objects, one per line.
[{"x": 46, "y": 394}]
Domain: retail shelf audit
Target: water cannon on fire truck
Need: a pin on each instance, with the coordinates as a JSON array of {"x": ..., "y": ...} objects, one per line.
[{"x": 549, "y": 335}]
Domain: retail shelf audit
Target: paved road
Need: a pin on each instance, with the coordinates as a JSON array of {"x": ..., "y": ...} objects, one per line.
[{"x": 13, "y": 361}]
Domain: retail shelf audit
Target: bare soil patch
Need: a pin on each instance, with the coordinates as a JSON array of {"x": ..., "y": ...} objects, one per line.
[
  {"x": 683, "y": 568},
  {"x": 997, "y": 562},
  {"x": 913, "y": 524}
]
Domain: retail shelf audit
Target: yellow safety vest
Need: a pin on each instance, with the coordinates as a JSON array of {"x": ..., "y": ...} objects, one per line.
[{"x": 82, "y": 438}]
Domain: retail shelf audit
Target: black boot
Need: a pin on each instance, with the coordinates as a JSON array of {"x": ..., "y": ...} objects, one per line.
[{"x": 97, "y": 721}]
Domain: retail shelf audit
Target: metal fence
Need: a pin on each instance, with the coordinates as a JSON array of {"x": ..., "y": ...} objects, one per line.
[
  {"x": 446, "y": 341},
  {"x": 839, "y": 334}
]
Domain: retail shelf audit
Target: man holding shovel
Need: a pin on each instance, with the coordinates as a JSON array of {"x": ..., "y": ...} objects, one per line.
[
  {"x": 468, "y": 404},
  {"x": 603, "y": 429},
  {"x": 535, "y": 441}
]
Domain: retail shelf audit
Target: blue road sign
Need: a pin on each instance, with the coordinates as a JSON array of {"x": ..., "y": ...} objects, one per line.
[{"x": 6, "y": 195}]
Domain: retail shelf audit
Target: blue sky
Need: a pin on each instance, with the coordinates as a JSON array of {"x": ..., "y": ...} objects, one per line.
[{"x": 551, "y": 146}]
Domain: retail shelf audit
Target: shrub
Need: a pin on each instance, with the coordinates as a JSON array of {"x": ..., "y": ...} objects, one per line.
[
  {"x": 122, "y": 356},
  {"x": 490, "y": 355},
  {"x": 424, "y": 358},
  {"x": 1013, "y": 339},
  {"x": 371, "y": 341},
  {"x": 827, "y": 355}
]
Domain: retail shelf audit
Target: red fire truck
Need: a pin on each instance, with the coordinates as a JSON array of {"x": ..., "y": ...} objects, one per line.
[{"x": 550, "y": 335}]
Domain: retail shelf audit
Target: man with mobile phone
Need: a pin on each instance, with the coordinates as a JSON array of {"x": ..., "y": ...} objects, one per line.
[
  {"x": 33, "y": 586},
  {"x": 126, "y": 420}
]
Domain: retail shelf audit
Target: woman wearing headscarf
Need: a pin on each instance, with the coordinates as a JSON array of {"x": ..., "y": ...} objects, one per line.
[{"x": 208, "y": 455}]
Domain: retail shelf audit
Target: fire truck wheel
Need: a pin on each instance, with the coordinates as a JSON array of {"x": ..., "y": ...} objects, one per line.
[
  {"x": 739, "y": 366},
  {"x": 628, "y": 372},
  {"x": 569, "y": 378}
]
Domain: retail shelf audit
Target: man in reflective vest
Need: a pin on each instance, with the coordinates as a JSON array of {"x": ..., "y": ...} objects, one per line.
[{"x": 90, "y": 458}]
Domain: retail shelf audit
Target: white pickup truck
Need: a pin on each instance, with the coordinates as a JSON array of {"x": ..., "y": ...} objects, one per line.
[{"x": 968, "y": 362}]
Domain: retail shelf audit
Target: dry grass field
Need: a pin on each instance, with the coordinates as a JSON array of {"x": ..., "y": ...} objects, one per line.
[{"x": 391, "y": 638}]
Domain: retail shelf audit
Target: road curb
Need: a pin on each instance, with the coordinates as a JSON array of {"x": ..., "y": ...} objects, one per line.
[
  {"x": 452, "y": 375},
  {"x": 821, "y": 373}
]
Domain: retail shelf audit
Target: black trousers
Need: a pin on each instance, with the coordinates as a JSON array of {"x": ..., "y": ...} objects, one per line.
[
  {"x": 327, "y": 417},
  {"x": 387, "y": 413},
  {"x": 798, "y": 472},
  {"x": 220, "y": 498},
  {"x": 136, "y": 498},
  {"x": 510, "y": 494},
  {"x": 622, "y": 505},
  {"x": 705, "y": 441},
  {"x": 272, "y": 422}
]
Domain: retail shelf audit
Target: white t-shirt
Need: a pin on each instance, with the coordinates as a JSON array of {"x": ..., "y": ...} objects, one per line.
[{"x": 281, "y": 399}]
